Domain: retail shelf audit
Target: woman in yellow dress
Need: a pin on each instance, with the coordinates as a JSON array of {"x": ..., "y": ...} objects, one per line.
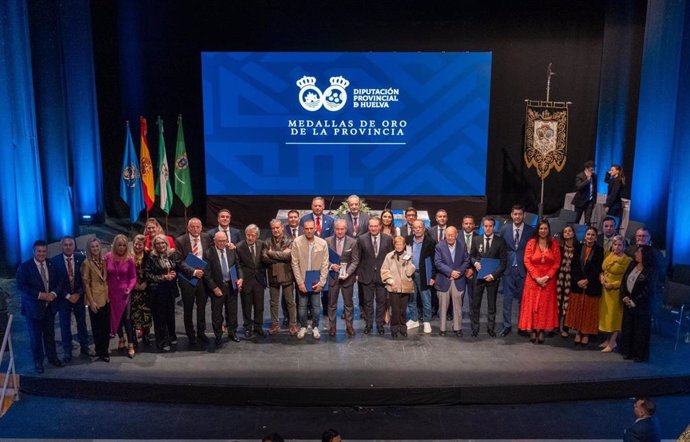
[{"x": 610, "y": 306}]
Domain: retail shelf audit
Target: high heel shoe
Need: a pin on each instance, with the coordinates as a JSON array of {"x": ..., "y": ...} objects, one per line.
[
  {"x": 130, "y": 351},
  {"x": 121, "y": 345},
  {"x": 608, "y": 349},
  {"x": 540, "y": 337},
  {"x": 533, "y": 337}
]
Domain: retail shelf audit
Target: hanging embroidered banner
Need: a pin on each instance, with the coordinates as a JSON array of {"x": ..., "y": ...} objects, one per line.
[{"x": 546, "y": 136}]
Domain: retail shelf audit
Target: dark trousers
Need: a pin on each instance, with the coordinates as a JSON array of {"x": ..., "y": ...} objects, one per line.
[
  {"x": 192, "y": 296},
  {"x": 66, "y": 309},
  {"x": 635, "y": 334},
  {"x": 42, "y": 334},
  {"x": 348, "y": 305},
  {"x": 127, "y": 326},
  {"x": 252, "y": 301},
  {"x": 163, "y": 310},
  {"x": 491, "y": 288},
  {"x": 100, "y": 327},
  {"x": 587, "y": 209},
  {"x": 374, "y": 292},
  {"x": 399, "y": 304},
  {"x": 227, "y": 302}
]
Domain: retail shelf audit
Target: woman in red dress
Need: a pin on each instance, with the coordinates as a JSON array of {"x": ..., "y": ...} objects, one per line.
[{"x": 539, "y": 307}]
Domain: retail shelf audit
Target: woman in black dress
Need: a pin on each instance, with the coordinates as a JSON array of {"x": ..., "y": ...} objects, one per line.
[
  {"x": 616, "y": 181},
  {"x": 161, "y": 278}
]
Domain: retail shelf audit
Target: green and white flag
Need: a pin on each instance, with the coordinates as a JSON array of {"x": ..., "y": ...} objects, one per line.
[
  {"x": 163, "y": 188},
  {"x": 183, "y": 184}
]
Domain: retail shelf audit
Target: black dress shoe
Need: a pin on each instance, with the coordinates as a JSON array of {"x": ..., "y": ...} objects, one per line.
[
  {"x": 259, "y": 332},
  {"x": 505, "y": 332},
  {"x": 247, "y": 333},
  {"x": 491, "y": 333},
  {"x": 38, "y": 366},
  {"x": 475, "y": 333},
  {"x": 367, "y": 330},
  {"x": 442, "y": 333},
  {"x": 67, "y": 359},
  {"x": 192, "y": 340},
  {"x": 56, "y": 362},
  {"x": 380, "y": 331},
  {"x": 458, "y": 333},
  {"x": 233, "y": 337},
  {"x": 203, "y": 338},
  {"x": 394, "y": 334},
  {"x": 219, "y": 341},
  {"x": 404, "y": 333},
  {"x": 146, "y": 339},
  {"x": 104, "y": 358}
]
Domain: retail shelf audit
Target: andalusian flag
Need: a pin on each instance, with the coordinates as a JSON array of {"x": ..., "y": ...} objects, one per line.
[
  {"x": 146, "y": 167},
  {"x": 163, "y": 188},
  {"x": 130, "y": 184},
  {"x": 183, "y": 184}
]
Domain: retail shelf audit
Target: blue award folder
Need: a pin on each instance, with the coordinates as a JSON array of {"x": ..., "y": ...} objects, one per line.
[
  {"x": 489, "y": 265},
  {"x": 311, "y": 278},
  {"x": 233, "y": 276},
  {"x": 195, "y": 263},
  {"x": 333, "y": 256},
  {"x": 428, "y": 268}
]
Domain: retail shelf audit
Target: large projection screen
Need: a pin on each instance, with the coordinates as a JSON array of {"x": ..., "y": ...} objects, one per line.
[{"x": 370, "y": 123}]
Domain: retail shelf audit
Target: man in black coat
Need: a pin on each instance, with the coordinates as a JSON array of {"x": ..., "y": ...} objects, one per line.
[{"x": 585, "y": 192}]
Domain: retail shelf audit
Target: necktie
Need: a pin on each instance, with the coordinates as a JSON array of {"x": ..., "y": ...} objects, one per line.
[
  {"x": 227, "y": 233},
  {"x": 70, "y": 273},
  {"x": 294, "y": 232},
  {"x": 376, "y": 247},
  {"x": 339, "y": 247},
  {"x": 44, "y": 276},
  {"x": 517, "y": 238},
  {"x": 355, "y": 225},
  {"x": 318, "y": 225},
  {"x": 468, "y": 240},
  {"x": 195, "y": 247},
  {"x": 253, "y": 250},
  {"x": 440, "y": 234},
  {"x": 224, "y": 266},
  {"x": 487, "y": 244},
  {"x": 591, "y": 187}
]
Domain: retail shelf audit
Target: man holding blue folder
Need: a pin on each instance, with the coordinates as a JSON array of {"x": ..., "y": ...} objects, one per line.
[{"x": 488, "y": 257}]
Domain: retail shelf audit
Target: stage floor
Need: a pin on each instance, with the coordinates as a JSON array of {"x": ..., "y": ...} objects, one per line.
[{"x": 365, "y": 369}]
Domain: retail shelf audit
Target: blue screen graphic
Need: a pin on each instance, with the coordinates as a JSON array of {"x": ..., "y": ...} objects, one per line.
[{"x": 371, "y": 123}]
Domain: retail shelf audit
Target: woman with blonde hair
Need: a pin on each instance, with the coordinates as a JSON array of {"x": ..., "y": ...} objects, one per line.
[
  {"x": 122, "y": 275},
  {"x": 153, "y": 228},
  {"x": 161, "y": 278},
  {"x": 610, "y": 305},
  {"x": 94, "y": 277},
  {"x": 140, "y": 307}
]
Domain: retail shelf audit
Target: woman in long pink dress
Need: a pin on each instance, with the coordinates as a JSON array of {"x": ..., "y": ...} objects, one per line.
[
  {"x": 122, "y": 275},
  {"x": 539, "y": 307}
]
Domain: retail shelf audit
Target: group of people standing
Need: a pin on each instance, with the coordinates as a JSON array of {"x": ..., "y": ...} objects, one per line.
[{"x": 313, "y": 260}]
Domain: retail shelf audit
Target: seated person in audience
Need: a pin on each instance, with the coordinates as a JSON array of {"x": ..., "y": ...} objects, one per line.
[{"x": 646, "y": 427}]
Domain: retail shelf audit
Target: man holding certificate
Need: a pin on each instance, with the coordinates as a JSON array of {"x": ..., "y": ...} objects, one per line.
[
  {"x": 344, "y": 259},
  {"x": 310, "y": 266},
  {"x": 488, "y": 257}
]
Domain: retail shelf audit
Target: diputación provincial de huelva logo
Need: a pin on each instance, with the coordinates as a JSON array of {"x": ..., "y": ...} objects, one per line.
[{"x": 333, "y": 98}]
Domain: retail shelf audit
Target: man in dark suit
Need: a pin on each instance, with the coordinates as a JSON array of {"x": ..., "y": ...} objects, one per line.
[
  {"x": 609, "y": 231},
  {"x": 423, "y": 249},
  {"x": 467, "y": 235},
  {"x": 293, "y": 229},
  {"x": 224, "y": 217},
  {"x": 437, "y": 232},
  {"x": 37, "y": 282},
  {"x": 493, "y": 247},
  {"x": 373, "y": 247},
  {"x": 342, "y": 276},
  {"x": 323, "y": 222},
  {"x": 585, "y": 193},
  {"x": 70, "y": 298},
  {"x": 195, "y": 243},
  {"x": 253, "y": 281},
  {"x": 515, "y": 236},
  {"x": 646, "y": 427},
  {"x": 451, "y": 260},
  {"x": 218, "y": 280},
  {"x": 357, "y": 222},
  {"x": 410, "y": 217}
]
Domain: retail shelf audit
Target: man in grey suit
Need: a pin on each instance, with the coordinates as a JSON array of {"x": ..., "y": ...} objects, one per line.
[
  {"x": 373, "y": 247},
  {"x": 342, "y": 276},
  {"x": 357, "y": 222}
]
